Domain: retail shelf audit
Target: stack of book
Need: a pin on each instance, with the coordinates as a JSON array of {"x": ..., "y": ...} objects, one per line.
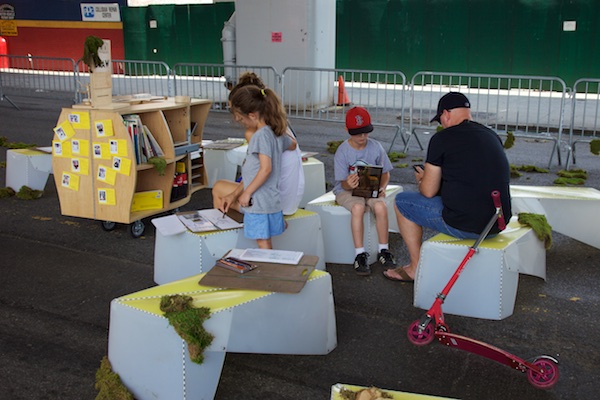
[{"x": 144, "y": 143}]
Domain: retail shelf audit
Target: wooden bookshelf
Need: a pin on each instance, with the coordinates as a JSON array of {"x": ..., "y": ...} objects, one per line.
[{"x": 107, "y": 163}]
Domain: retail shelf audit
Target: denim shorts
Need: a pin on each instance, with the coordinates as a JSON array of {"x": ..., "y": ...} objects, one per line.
[
  {"x": 427, "y": 212},
  {"x": 263, "y": 226}
]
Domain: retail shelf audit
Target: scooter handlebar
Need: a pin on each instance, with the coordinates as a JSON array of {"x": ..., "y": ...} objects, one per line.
[{"x": 498, "y": 205}]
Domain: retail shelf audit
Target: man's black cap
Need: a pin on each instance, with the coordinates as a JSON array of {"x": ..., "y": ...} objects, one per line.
[{"x": 450, "y": 101}]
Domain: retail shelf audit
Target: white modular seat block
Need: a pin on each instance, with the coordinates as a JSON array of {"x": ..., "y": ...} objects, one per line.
[
  {"x": 314, "y": 180},
  {"x": 337, "y": 234},
  {"x": 487, "y": 287},
  {"x": 27, "y": 167},
  {"x": 571, "y": 211},
  {"x": 153, "y": 361},
  {"x": 186, "y": 254},
  {"x": 218, "y": 165}
]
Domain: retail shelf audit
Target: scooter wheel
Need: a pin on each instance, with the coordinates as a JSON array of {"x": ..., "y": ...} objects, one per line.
[
  {"x": 420, "y": 338},
  {"x": 547, "y": 378}
]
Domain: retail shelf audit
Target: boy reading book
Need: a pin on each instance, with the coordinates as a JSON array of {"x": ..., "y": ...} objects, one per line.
[{"x": 358, "y": 150}]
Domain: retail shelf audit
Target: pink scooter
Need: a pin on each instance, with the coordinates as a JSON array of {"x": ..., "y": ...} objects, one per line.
[{"x": 542, "y": 371}]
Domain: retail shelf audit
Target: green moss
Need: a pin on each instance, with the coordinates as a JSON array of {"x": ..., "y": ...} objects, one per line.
[
  {"x": 27, "y": 193},
  {"x": 395, "y": 156},
  {"x": 540, "y": 226},
  {"x": 3, "y": 164},
  {"x": 333, "y": 145},
  {"x": 14, "y": 145},
  {"x": 569, "y": 181},
  {"x": 188, "y": 323},
  {"x": 401, "y": 165},
  {"x": 574, "y": 173},
  {"x": 90, "y": 52},
  {"x": 109, "y": 384},
  {"x": 510, "y": 140},
  {"x": 595, "y": 146},
  {"x": 160, "y": 164},
  {"x": 6, "y": 192},
  {"x": 514, "y": 171},
  {"x": 533, "y": 168},
  {"x": 373, "y": 392}
]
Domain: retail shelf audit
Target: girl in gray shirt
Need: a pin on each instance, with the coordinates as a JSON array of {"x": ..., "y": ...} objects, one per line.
[{"x": 261, "y": 109}]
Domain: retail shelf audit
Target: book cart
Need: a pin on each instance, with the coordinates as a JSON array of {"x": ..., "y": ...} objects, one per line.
[{"x": 98, "y": 168}]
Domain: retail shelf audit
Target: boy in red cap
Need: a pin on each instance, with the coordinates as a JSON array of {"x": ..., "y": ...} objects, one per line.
[{"x": 357, "y": 150}]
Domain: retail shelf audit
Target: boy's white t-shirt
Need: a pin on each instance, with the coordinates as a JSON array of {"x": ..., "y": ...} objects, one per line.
[{"x": 291, "y": 181}]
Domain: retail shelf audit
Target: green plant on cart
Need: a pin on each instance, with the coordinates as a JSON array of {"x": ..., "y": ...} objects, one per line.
[
  {"x": 159, "y": 163},
  {"x": 90, "y": 52},
  {"x": 188, "y": 322}
]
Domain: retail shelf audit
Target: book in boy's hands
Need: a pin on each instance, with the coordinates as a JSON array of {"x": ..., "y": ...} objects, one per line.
[
  {"x": 235, "y": 264},
  {"x": 369, "y": 180}
]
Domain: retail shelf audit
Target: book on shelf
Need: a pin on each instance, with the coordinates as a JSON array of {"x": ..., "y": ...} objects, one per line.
[
  {"x": 211, "y": 219},
  {"x": 155, "y": 148},
  {"x": 133, "y": 123},
  {"x": 266, "y": 255},
  {"x": 369, "y": 180}
]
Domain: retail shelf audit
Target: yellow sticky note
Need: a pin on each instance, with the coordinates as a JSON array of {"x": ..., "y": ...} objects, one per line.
[
  {"x": 70, "y": 181},
  {"x": 79, "y": 119},
  {"x": 106, "y": 174},
  {"x": 107, "y": 196},
  {"x": 80, "y": 166},
  {"x": 104, "y": 128},
  {"x": 80, "y": 147},
  {"x": 60, "y": 149},
  {"x": 64, "y": 131},
  {"x": 122, "y": 165},
  {"x": 101, "y": 150},
  {"x": 118, "y": 147}
]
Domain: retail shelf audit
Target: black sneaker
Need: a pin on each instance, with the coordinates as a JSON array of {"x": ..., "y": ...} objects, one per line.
[
  {"x": 386, "y": 259},
  {"x": 361, "y": 264}
]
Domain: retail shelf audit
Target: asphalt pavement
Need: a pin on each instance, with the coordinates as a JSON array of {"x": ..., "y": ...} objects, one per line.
[{"x": 59, "y": 274}]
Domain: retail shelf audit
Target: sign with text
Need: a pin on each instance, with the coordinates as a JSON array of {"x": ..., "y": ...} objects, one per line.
[{"x": 100, "y": 12}]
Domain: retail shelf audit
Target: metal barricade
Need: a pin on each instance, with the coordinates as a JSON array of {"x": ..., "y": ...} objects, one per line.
[
  {"x": 38, "y": 76},
  {"x": 527, "y": 106},
  {"x": 214, "y": 81},
  {"x": 585, "y": 111},
  {"x": 326, "y": 94},
  {"x": 132, "y": 77}
]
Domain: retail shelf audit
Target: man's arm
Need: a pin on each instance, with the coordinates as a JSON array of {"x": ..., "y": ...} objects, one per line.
[{"x": 429, "y": 180}]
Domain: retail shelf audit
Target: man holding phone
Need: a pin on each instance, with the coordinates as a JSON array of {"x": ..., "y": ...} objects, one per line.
[{"x": 465, "y": 163}]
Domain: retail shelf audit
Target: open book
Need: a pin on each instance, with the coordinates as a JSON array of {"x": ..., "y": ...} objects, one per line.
[
  {"x": 211, "y": 219},
  {"x": 270, "y": 256},
  {"x": 369, "y": 179}
]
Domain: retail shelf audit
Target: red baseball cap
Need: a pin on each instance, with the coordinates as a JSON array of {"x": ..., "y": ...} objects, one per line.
[{"x": 358, "y": 121}]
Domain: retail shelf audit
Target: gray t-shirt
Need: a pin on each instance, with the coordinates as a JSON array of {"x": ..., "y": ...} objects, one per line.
[
  {"x": 346, "y": 156},
  {"x": 265, "y": 200}
]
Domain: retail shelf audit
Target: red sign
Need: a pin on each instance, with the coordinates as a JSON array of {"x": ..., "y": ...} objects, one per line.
[{"x": 276, "y": 37}]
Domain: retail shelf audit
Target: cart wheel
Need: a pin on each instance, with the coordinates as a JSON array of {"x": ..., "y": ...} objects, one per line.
[
  {"x": 547, "y": 378},
  {"x": 108, "y": 225},
  {"x": 422, "y": 338},
  {"x": 137, "y": 229}
]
